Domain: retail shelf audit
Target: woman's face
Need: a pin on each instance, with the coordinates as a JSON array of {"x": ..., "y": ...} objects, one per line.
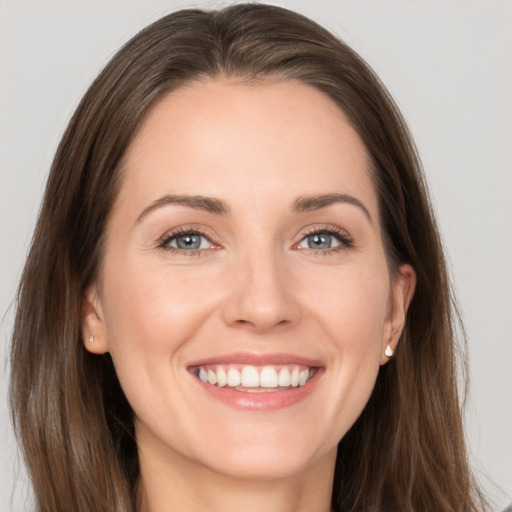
[{"x": 244, "y": 294}]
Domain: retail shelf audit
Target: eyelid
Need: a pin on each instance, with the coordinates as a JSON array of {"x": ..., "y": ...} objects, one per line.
[
  {"x": 345, "y": 239},
  {"x": 163, "y": 241}
]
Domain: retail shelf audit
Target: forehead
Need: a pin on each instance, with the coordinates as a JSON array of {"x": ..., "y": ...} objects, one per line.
[{"x": 221, "y": 137}]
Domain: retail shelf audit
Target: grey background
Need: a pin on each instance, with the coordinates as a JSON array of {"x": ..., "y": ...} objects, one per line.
[{"x": 449, "y": 66}]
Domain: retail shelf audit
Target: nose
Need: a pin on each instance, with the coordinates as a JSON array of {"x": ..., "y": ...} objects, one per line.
[{"x": 261, "y": 294}]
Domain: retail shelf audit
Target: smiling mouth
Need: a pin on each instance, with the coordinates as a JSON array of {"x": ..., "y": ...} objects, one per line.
[{"x": 254, "y": 379}]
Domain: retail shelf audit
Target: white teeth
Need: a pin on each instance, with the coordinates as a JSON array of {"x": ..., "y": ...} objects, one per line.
[
  {"x": 284, "y": 378},
  {"x": 294, "y": 380},
  {"x": 233, "y": 378},
  {"x": 268, "y": 378},
  {"x": 212, "y": 377},
  {"x": 222, "y": 378},
  {"x": 250, "y": 377},
  {"x": 255, "y": 379}
]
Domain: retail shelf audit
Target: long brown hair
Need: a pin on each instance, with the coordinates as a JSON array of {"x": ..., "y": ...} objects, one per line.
[{"x": 406, "y": 451}]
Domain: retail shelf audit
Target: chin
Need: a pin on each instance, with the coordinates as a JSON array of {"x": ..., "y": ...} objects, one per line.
[
  {"x": 262, "y": 465},
  {"x": 271, "y": 455}
]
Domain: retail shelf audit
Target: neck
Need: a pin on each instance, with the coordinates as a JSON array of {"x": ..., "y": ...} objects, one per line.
[{"x": 182, "y": 486}]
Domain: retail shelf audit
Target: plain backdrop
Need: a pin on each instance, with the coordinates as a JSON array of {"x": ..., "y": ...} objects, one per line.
[{"x": 449, "y": 66}]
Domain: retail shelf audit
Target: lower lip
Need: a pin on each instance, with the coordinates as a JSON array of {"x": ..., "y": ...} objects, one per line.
[{"x": 264, "y": 401}]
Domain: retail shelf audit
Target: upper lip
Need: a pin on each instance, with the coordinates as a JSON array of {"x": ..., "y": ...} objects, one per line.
[{"x": 255, "y": 359}]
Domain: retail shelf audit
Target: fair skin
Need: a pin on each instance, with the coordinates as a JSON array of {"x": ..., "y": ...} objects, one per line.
[{"x": 281, "y": 267}]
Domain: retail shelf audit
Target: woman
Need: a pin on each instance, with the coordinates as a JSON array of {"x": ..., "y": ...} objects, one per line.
[{"x": 236, "y": 295}]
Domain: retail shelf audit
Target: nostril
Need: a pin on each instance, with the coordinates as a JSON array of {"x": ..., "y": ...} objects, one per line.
[
  {"x": 261, "y": 301},
  {"x": 260, "y": 326}
]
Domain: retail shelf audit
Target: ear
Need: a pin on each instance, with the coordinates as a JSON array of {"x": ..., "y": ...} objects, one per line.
[
  {"x": 94, "y": 330},
  {"x": 402, "y": 291}
]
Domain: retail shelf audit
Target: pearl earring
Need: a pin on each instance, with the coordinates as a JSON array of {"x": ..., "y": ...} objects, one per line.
[
  {"x": 91, "y": 338},
  {"x": 389, "y": 351}
]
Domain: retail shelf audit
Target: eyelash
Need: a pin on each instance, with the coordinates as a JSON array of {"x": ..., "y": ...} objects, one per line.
[
  {"x": 182, "y": 231},
  {"x": 345, "y": 241}
]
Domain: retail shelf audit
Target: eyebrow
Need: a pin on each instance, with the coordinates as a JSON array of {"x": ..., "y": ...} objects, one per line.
[
  {"x": 207, "y": 204},
  {"x": 219, "y": 207},
  {"x": 316, "y": 202}
]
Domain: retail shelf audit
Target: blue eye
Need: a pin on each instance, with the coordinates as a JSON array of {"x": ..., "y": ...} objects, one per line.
[
  {"x": 190, "y": 241},
  {"x": 325, "y": 240},
  {"x": 320, "y": 241}
]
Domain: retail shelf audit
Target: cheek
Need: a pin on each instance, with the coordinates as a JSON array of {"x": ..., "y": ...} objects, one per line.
[
  {"x": 354, "y": 317},
  {"x": 150, "y": 310},
  {"x": 354, "y": 309}
]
